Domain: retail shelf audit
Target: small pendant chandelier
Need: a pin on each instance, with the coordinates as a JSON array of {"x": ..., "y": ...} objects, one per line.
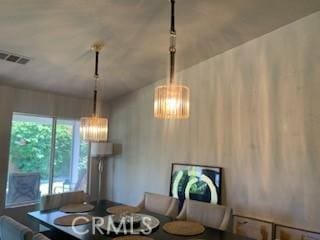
[
  {"x": 171, "y": 101},
  {"x": 94, "y": 129}
]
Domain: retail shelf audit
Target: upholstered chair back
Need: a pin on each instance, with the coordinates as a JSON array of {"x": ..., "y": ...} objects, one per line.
[
  {"x": 210, "y": 215},
  {"x": 11, "y": 229},
  {"x": 56, "y": 201},
  {"x": 160, "y": 204}
]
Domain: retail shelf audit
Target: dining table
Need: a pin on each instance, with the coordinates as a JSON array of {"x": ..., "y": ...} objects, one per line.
[{"x": 47, "y": 218}]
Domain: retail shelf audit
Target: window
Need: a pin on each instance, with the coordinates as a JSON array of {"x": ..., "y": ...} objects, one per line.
[{"x": 46, "y": 156}]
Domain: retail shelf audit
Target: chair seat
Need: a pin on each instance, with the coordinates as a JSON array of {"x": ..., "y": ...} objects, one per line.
[{"x": 40, "y": 236}]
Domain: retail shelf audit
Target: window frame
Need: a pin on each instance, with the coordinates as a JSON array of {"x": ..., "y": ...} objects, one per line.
[{"x": 54, "y": 120}]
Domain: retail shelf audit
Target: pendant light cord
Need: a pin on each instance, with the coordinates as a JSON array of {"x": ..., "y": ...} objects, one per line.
[
  {"x": 96, "y": 76},
  {"x": 172, "y": 48}
]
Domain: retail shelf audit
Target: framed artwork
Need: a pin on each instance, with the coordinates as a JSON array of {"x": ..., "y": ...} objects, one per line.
[
  {"x": 289, "y": 233},
  {"x": 196, "y": 182},
  {"x": 252, "y": 228}
]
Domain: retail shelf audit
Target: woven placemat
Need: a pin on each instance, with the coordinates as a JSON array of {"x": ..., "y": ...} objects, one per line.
[
  {"x": 132, "y": 237},
  {"x": 77, "y": 208},
  {"x": 73, "y": 220},
  {"x": 117, "y": 210},
  {"x": 183, "y": 228}
]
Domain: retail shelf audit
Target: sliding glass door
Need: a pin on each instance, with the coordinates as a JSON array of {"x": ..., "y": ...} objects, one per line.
[
  {"x": 46, "y": 156},
  {"x": 71, "y": 158}
]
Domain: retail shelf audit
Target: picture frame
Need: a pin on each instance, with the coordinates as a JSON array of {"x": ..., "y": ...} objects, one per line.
[
  {"x": 196, "y": 182},
  {"x": 253, "y": 228},
  {"x": 283, "y": 232}
]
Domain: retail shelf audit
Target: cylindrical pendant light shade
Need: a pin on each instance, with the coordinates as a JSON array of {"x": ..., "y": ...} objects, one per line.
[
  {"x": 94, "y": 129},
  {"x": 171, "y": 101}
]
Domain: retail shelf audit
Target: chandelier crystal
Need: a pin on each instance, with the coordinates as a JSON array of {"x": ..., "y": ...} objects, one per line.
[
  {"x": 94, "y": 129},
  {"x": 171, "y": 101}
]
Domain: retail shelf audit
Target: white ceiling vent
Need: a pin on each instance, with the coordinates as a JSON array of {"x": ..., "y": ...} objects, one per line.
[{"x": 15, "y": 58}]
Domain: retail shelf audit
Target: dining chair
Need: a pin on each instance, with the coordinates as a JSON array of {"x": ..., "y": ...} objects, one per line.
[
  {"x": 11, "y": 229},
  {"x": 40, "y": 236},
  {"x": 160, "y": 204},
  {"x": 23, "y": 188},
  {"x": 210, "y": 215},
  {"x": 56, "y": 201}
]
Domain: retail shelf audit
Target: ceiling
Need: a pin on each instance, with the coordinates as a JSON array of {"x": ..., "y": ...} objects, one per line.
[{"x": 57, "y": 35}]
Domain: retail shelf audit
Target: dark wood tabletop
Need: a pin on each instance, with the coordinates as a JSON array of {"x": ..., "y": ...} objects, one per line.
[{"x": 47, "y": 218}]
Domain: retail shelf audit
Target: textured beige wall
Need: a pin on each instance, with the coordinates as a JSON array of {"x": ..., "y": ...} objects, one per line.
[
  {"x": 254, "y": 111},
  {"x": 35, "y": 102}
]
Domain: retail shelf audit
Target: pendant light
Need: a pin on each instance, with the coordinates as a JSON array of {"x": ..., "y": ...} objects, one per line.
[
  {"x": 171, "y": 101},
  {"x": 94, "y": 129}
]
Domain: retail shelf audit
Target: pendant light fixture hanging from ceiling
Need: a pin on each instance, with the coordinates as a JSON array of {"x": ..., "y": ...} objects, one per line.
[
  {"x": 95, "y": 128},
  {"x": 171, "y": 101}
]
